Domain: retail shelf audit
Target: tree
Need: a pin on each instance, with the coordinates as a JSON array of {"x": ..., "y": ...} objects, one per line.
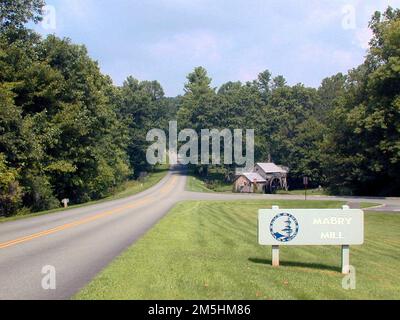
[
  {"x": 10, "y": 190},
  {"x": 278, "y": 82},
  {"x": 142, "y": 108},
  {"x": 85, "y": 155},
  {"x": 196, "y": 109},
  {"x": 362, "y": 149},
  {"x": 264, "y": 84},
  {"x": 59, "y": 126},
  {"x": 293, "y": 132},
  {"x": 14, "y": 14},
  {"x": 332, "y": 93}
]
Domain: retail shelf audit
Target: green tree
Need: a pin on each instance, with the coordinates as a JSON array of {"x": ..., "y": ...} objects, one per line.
[
  {"x": 363, "y": 148},
  {"x": 278, "y": 82},
  {"x": 332, "y": 94},
  {"x": 142, "y": 108},
  {"x": 10, "y": 190},
  {"x": 16, "y": 13},
  {"x": 197, "y": 105},
  {"x": 293, "y": 132}
]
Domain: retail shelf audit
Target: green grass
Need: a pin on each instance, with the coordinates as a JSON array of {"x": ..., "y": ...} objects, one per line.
[
  {"x": 127, "y": 189},
  {"x": 214, "y": 182},
  {"x": 368, "y": 205},
  {"x": 209, "y": 250},
  {"x": 310, "y": 192},
  {"x": 195, "y": 184},
  {"x": 133, "y": 187}
]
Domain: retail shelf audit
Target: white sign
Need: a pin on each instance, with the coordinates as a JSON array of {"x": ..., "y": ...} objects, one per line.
[
  {"x": 65, "y": 202},
  {"x": 294, "y": 227}
]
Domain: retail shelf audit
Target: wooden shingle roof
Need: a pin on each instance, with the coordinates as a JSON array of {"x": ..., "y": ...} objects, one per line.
[
  {"x": 271, "y": 168},
  {"x": 252, "y": 176}
]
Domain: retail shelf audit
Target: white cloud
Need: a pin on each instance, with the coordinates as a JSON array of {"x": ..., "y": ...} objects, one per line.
[
  {"x": 249, "y": 63},
  {"x": 315, "y": 54},
  {"x": 363, "y": 37},
  {"x": 249, "y": 72},
  {"x": 363, "y": 13},
  {"x": 197, "y": 45},
  {"x": 234, "y": 39},
  {"x": 80, "y": 8},
  {"x": 322, "y": 14},
  {"x": 76, "y": 10}
]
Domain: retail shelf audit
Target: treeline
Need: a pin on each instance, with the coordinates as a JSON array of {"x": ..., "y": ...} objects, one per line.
[
  {"x": 345, "y": 135},
  {"x": 65, "y": 130}
]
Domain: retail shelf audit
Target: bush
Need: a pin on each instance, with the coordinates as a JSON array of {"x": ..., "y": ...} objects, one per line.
[
  {"x": 40, "y": 194},
  {"x": 10, "y": 190}
]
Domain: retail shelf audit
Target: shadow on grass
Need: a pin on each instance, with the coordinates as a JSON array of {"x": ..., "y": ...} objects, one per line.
[{"x": 297, "y": 264}]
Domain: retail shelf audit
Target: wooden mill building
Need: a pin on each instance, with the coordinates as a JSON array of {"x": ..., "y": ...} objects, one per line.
[{"x": 264, "y": 178}]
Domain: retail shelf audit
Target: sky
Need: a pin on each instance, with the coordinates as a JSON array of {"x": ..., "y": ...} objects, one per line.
[{"x": 303, "y": 40}]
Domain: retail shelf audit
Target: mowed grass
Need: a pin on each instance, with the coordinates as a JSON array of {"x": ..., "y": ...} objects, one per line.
[
  {"x": 133, "y": 187},
  {"x": 195, "y": 184},
  {"x": 301, "y": 192},
  {"x": 209, "y": 250}
]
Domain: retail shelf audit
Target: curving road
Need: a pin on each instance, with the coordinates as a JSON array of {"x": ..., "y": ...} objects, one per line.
[{"x": 81, "y": 242}]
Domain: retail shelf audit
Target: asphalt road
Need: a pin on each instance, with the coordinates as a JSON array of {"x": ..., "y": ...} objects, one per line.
[{"x": 79, "y": 243}]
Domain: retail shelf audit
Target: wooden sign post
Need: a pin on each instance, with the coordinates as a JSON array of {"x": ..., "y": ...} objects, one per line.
[
  {"x": 275, "y": 256},
  {"x": 311, "y": 227},
  {"x": 345, "y": 259},
  {"x": 305, "y": 182},
  {"x": 346, "y": 254},
  {"x": 275, "y": 249}
]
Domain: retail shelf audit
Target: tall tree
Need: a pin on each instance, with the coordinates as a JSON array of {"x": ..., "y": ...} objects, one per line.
[
  {"x": 197, "y": 104},
  {"x": 332, "y": 93},
  {"x": 142, "y": 108},
  {"x": 363, "y": 147}
]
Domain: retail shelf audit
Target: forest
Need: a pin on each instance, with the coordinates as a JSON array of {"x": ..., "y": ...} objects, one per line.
[{"x": 66, "y": 131}]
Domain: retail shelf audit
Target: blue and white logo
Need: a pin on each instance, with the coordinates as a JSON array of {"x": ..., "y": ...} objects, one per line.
[{"x": 284, "y": 227}]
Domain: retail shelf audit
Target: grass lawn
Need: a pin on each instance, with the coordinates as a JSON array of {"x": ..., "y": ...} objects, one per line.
[
  {"x": 209, "y": 250},
  {"x": 310, "y": 192},
  {"x": 368, "y": 205},
  {"x": 133, "y": 187},
  {"x": 195, "y": 184},
  {"x": 127, "y": 189}
]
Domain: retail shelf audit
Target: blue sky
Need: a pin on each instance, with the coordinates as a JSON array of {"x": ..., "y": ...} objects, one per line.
[{"x": 303, "y": 40}]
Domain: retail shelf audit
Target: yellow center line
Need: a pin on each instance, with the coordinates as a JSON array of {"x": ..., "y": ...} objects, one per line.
[{"x": 169, "y": 186}]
